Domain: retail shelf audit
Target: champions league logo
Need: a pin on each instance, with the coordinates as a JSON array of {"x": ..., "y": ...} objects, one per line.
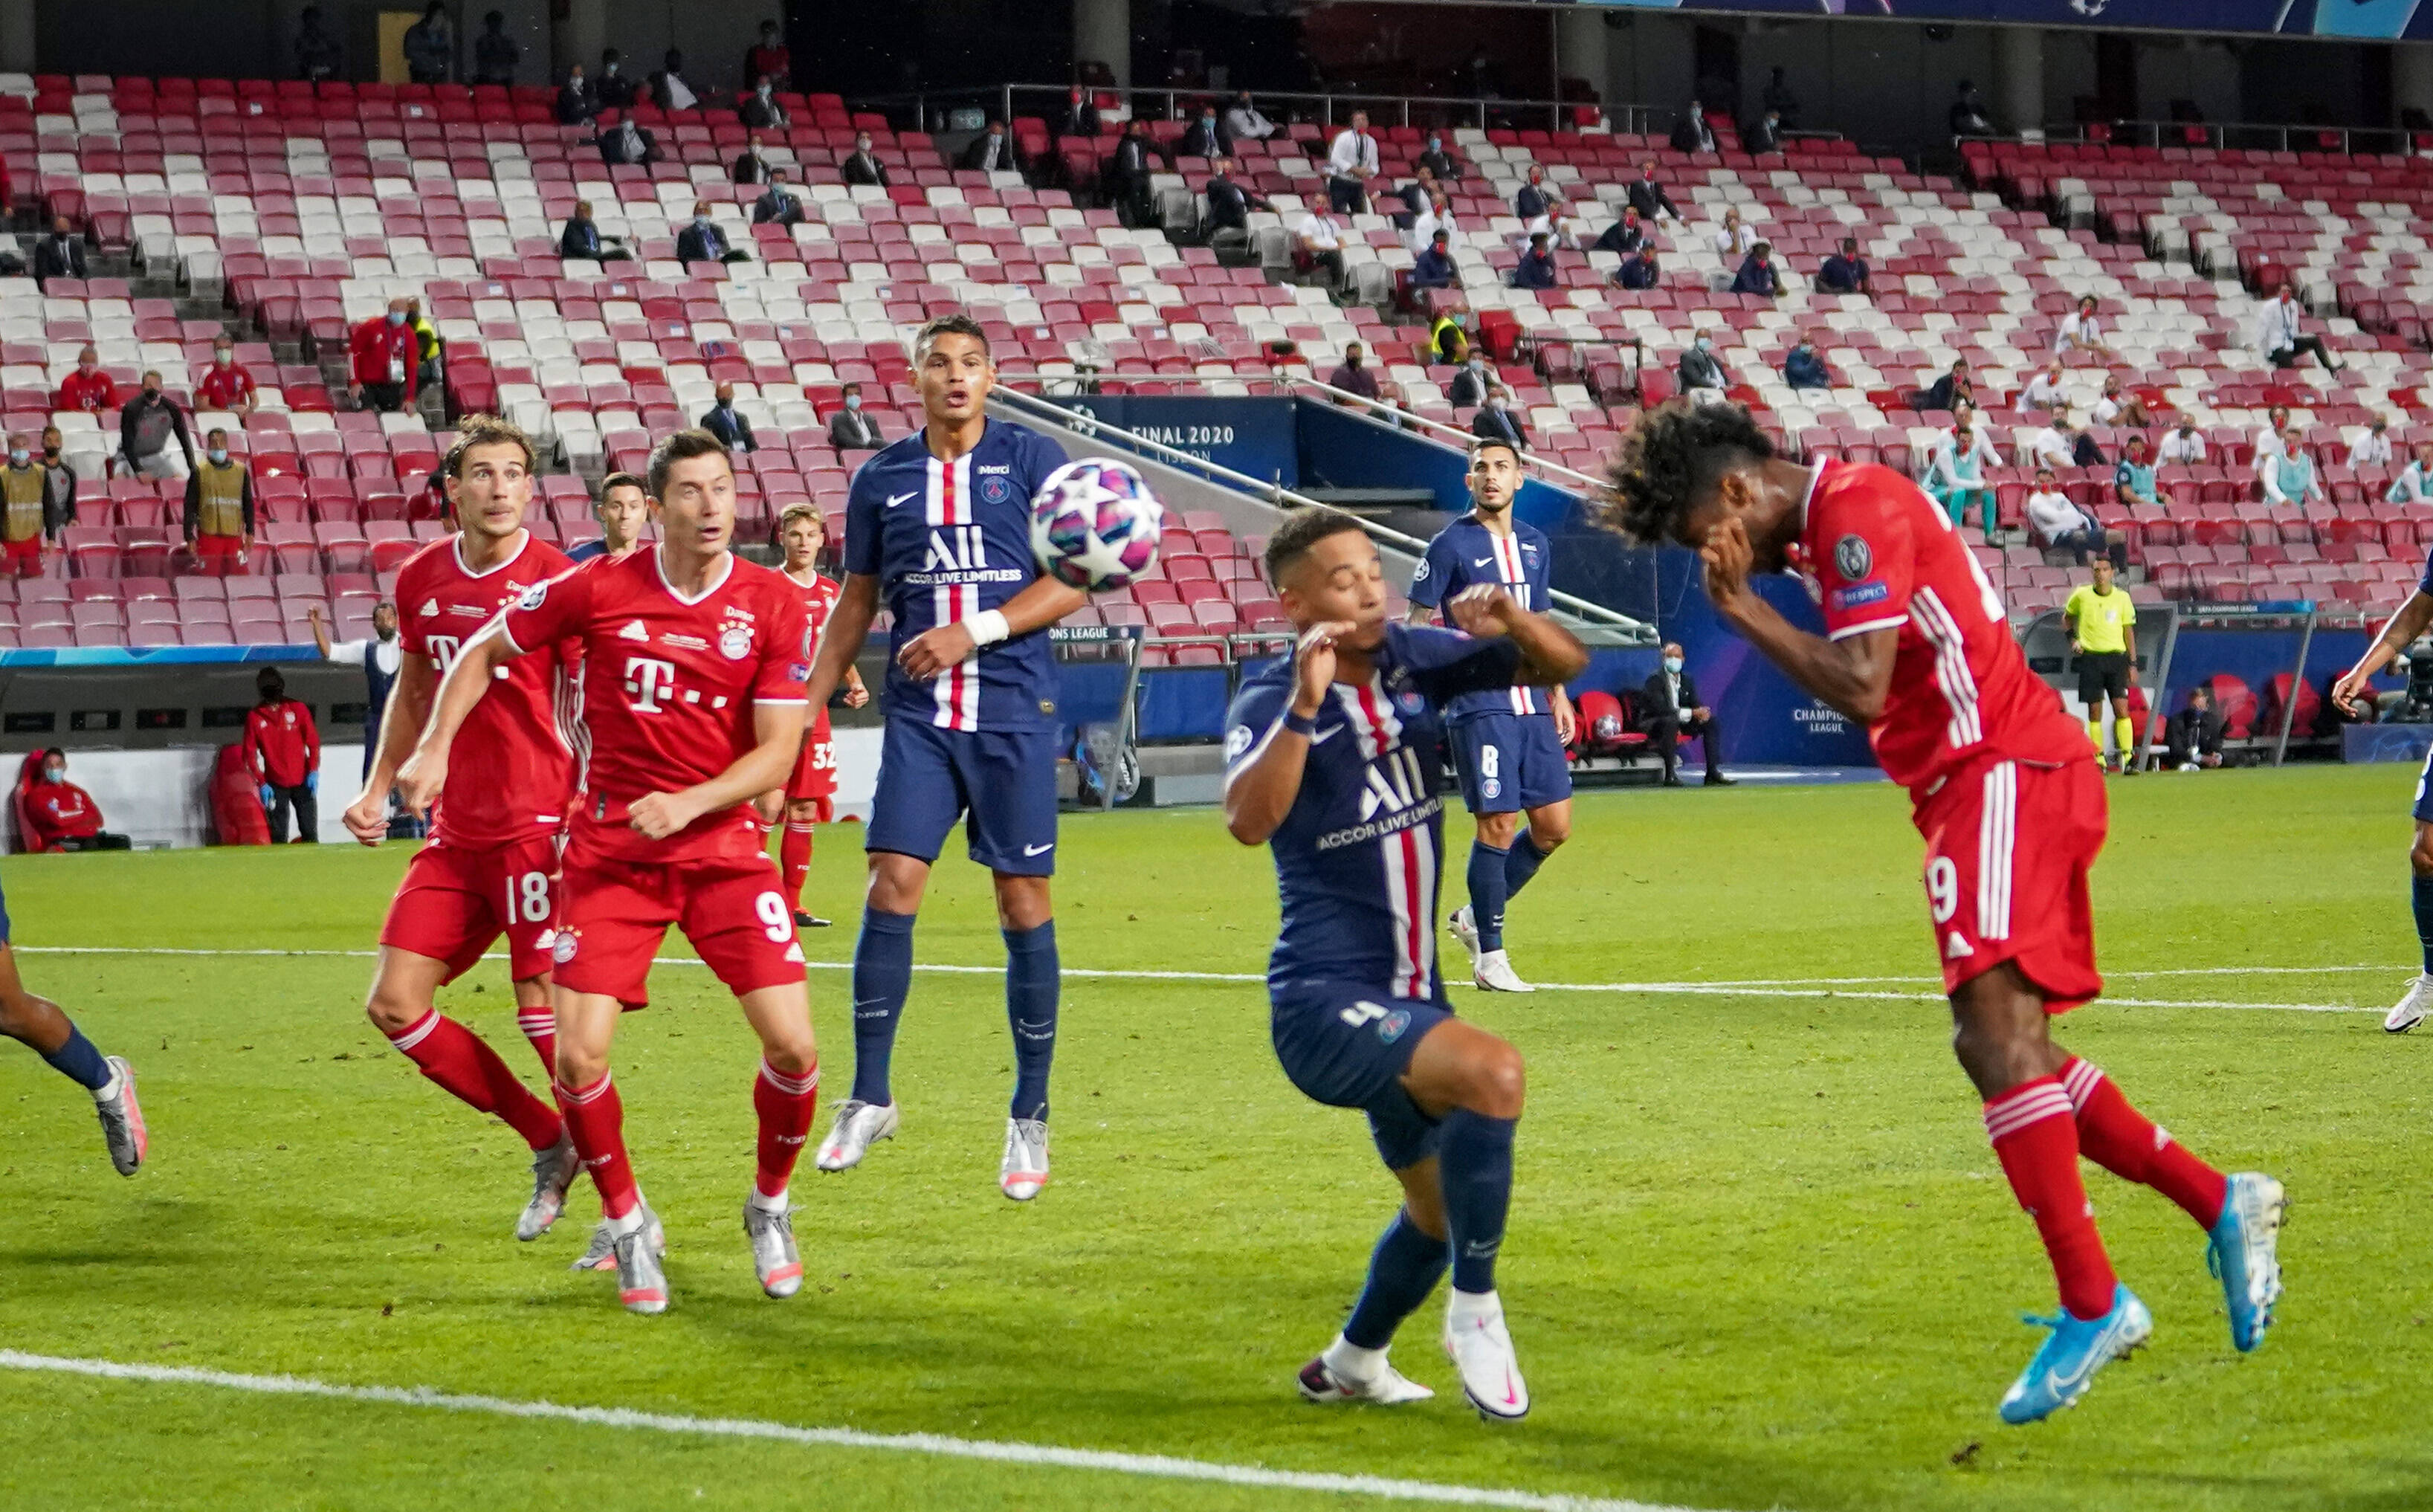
[{"x": 1851, "y": 557}]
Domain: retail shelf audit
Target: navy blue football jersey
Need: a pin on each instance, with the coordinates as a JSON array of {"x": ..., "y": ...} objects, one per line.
[
  {"x": 1356, "y": 858},
  {"x": 1466, "y": 553},
  {"x": 946, "y": 540}
]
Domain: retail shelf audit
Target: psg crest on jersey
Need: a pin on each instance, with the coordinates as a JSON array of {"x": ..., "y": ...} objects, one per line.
[
  {"x": 1851, "y": 557},
  {"x": 994, "y": 489}
]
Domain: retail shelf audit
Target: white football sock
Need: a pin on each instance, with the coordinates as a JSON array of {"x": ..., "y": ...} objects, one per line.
[{"x": 1350, "y": 1361}]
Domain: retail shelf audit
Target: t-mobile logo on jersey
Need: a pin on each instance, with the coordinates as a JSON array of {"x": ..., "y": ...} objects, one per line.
[{"x": 648, "y": 681}]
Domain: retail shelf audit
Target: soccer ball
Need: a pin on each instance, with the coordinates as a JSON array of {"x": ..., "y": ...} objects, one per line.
[{"x": 1095, "y": 524}]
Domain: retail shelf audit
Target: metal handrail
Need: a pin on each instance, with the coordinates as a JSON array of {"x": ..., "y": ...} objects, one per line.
[
  {"x": 1281, "y": 497},
  {"x": 2219, "y": 136},
  {"x": 1167, "y": 103}
]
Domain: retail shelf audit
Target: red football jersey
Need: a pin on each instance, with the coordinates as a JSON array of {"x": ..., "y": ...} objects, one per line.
[
  {"x": 669, "y": 689},
  {"x": 1885, "y": 556},
  {"x": 512, "y": 770},
  {"x": 818, "y": 601}
]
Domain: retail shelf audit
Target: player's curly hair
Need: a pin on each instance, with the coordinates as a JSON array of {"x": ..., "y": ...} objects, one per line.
[
  {"x": 485, "y": 430},
  {"x": 1303, "y": 529},
  {"x": 1671, "y": 457}
]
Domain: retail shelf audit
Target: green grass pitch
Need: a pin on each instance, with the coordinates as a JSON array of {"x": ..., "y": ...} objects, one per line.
[{"x": 1760, "y": 1257}]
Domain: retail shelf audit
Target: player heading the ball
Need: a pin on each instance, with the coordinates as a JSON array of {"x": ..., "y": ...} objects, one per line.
[
  {"x": 938, "y": 531},
  {"x": 1329, "y": 760},
  {"x": 2006, "y": 791},
  {"x": 693, "y": 700}
]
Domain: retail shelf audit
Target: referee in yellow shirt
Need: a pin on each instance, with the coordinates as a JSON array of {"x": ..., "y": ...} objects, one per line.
[{"x": 2104, "y": 634}]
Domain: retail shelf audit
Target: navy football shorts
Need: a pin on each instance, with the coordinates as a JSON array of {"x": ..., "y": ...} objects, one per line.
[
  {"x": 1346, "y": 1044},
  {"x": 1002, "y": 783},
  {"x": 2423, "y": 804},
  {"x": 1509, "y": 762}
]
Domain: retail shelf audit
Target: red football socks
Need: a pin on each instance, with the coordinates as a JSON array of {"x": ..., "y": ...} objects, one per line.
[
  {"x": 2035, "y": 1137},
  {"x": 595, "y": 1116},
  {"x": 2119, "y": 1138},
  {"x": 794, "y": 859},
  {"x": 785, "y": 1104},
  {"x": 456, "y": 1058},
  {"x": 540, "y": 1027}
]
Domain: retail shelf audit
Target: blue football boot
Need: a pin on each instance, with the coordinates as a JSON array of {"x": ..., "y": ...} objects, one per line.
[
  {"x": 2065, "y": 1365},
  {"x": 2243, "y": 1250}
]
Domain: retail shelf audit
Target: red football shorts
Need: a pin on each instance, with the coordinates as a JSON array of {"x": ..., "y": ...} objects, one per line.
[
  {"x": 814, "y": 775},
  {"x": 455, "y": 901},
  {"x": 612, "y": 916},
  {"x": 2008, "y": 847},
  {"x": 23, "y": 558}
]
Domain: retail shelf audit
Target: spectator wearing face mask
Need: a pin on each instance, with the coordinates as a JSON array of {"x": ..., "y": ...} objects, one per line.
[
  {"x": 852, "y": 428},
  {"x": 668, "y": 86},
  {"x": 584, "y": 238},
  {"x": 992, "y": 151},
  {"x": 724, "y": 422},
  {"x": 2183, "y": 446},
  {"x": 1447, "y": 339},
  {"x": 1243, "y": 122},
  {"x": 1640, "y": 270},
  {"x": 1435, "y": 159},
  {"x": 1204, "y": 137},
  {"x": 1669, "y": 710},
  {"x": 2118, "y": 406},
  {"x": 2372, "y": 450},
  {"x": 2193, "y": 738},
  {"x": 58, "y": 485},
  {"x": 1433, "y": 267},
  {"x": 219, "y": 508},
  {"x": 2290, "y": 479},
  {"x": 2414, "y": 484},
  {"x": 61, "y": 816},
  {"x": 1649, "y": 197},
  {"x": 702, "y": 242},
  {"x": 611, "y": 87},
  {"x": 627, "y": 144},
  {"x": 228, "y": 386},
  {"x": 1624, "y": 236},
  {"x": 1701, "y": 372},
  {"x": 762, "y": 109},
  {"x": 1470, "y": 384},
  {"x": 1758, "y": 275},
  {"x": 1536, "y": 269},
  {"x": 2133, "y": 477},
  {"x": 1537, "y": 204},
  {"x": 88, "y": 388},
  {"x": 1229, "y": 203},
  {"x": 60, "y": 255},
  {"x": 861, "y": 166},
  {"x": 770, "y": 58},
  {"x": 576, "y": 104},
  {"x": 152, "y": 434},
  {"x": 1804, "y": 366},
  {"x": 1497, "y": 421},
  {"x": 1353, "y": 376},
  {"x": 1956, "y": 477},
  {"x": 750, "y": 166},
  {"x": 283, "y": 754},
  {"x": 383, "y": 359},
  {"x": 22, "y": 499},
  {"x": 1080, "y": 115},
  {"x": 1846, "y": 271},
  {"x": 777, "y": 205}
]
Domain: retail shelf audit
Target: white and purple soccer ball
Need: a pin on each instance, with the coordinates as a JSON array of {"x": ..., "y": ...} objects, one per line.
[{"x": 1095, "y": 524}]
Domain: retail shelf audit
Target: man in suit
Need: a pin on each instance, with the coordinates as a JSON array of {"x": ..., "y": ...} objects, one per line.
[
  {"x": 750, "y": 166},
  {"x": 1436, "y": 161},
  {"x": 1669, "y": 710},
  {"x": 702, "y": 242},
  {"x": 860, "y": 166},
  {"x": 1952, "y": 390},
  {"x": 576, "y": 105},
  {"x": 60, "y": 255},
  {"x": 1129, "y": 173},
  {"x": 1243, "y": 120},
  {"x": 583, "y": 238},
  {"x": 851, "y": 429},
  {"x": 1205, "y": 137},
  {"x": 610, "y": 89},
  {"x": 724, "y": 422},
  {"x": 1624, "y": 236},
  {"x": 1497, "y": 421},
  {"x": 1691, "y": 133},
  {"x": 992, "y": 151},
  {"x": 1229, "y": 203},
  {"x": 1469, "y": 385},
  {"x": 777, "y": 205},
  {"x": 1764, "y": 134},
  {"x": 627, "y": 144},
  {"x": 1080, "y": 115},
  {"x": 1701, "y": 372},
  {"x": 1649, "y": 197},
  {"x": 760, "y": 109}
]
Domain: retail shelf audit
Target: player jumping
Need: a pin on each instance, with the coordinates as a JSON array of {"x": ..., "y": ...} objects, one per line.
[
  {"x": 492, "y": 862},
  {"x": 2010, "y": 799},
  {"x": 939, "y": 524},
  {"x": 809, "y": 798},
  {"x": 1328, "y": 756},
  {"x": 2409, "y": 622},
  {"x": 692, "y": 695},
  {"x": 1507, "y": 742},
  {"x": 39, "y": 1024}
]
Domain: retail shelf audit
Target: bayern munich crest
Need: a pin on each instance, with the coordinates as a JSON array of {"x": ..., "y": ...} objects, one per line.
[{"x": 735, "y": 643}]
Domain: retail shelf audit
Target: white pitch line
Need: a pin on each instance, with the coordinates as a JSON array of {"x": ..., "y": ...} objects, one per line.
[
  {"x": 1821, "y": 987},
  {"x": 1162, "y": 1466}
]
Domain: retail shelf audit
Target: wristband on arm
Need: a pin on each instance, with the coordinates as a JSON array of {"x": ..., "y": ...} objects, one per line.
[{"x": 987, "y": 627}]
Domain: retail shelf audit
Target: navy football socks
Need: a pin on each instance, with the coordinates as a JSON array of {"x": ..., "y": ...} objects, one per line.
[
  {"x": 80, "y": 1061},
  {"x": 882, "y": 978},
  {"x": 2419, "y": 894},
  {"x": 1402, "y": 1271},
  {"x": 1032, "y": 976},
  {"x": 1522, "y": 865},
  {"x": 1488, "y": 890},
  {"x": 1474, "y": 1164}
]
